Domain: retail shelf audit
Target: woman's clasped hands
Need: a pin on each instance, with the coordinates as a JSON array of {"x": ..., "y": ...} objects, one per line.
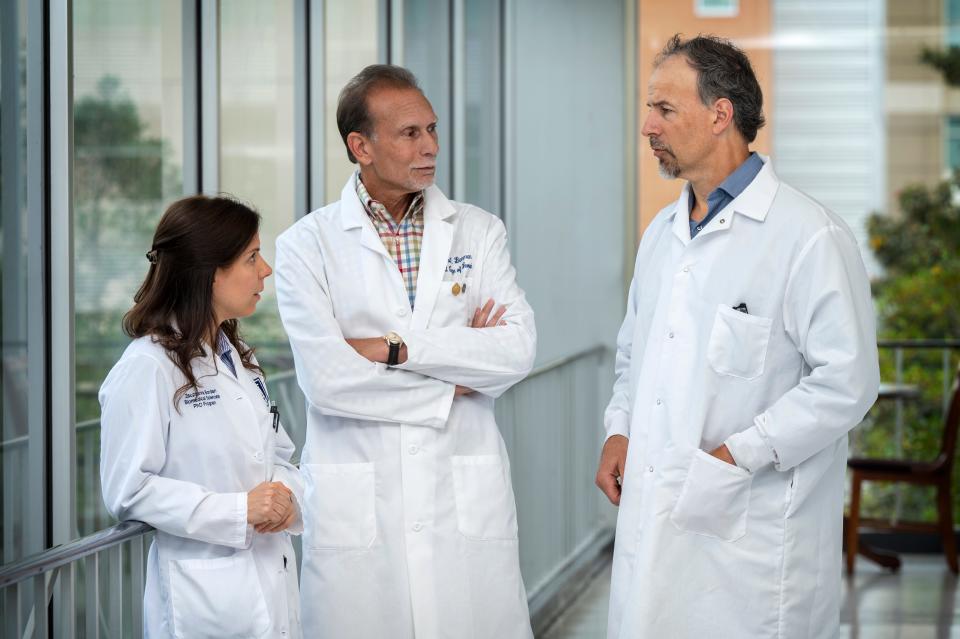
[{"x": 271, "y": 507}]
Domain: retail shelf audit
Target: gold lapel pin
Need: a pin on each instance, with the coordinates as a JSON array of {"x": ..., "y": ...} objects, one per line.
[{"x": 456, "y": 288}]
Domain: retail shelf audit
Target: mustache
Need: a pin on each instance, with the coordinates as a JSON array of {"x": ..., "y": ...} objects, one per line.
[{"x": 657, "y": 145}]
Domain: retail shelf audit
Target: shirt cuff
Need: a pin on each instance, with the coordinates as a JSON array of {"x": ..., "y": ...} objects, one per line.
[
  {"x": 750, "y": 450},
  {"x": 617, "y": 424}
]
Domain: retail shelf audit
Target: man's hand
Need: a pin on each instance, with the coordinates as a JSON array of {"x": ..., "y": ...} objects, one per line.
[
  {"x": 723, "y": 453},
  {"x": 613, "y": 463},
  {"x": 482, "y": 318}
]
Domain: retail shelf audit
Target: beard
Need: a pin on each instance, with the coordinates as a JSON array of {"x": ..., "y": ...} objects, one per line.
[
  {"x": 419, "y": 182},
  {"x": 668, "y": 167}
]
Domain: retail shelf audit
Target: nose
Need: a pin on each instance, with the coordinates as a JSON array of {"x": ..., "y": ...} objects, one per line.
[
  {"x": 431, "y": 145},
  {"x": 265, "y": 270},
  {"x": 649, "y": 127}
]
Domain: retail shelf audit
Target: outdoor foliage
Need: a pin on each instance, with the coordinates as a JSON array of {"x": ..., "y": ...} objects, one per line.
[{"x": 917, "y": 298}]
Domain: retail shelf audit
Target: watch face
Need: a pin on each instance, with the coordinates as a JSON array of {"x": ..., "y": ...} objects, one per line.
[{"x": 393, "y": 338}]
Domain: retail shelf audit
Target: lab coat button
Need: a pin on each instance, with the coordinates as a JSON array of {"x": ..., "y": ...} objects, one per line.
[
  {"x": 650, "y": 469},
  {"x": 417, "y": 527},
  {"x": 413, "y": 450},
  {"x": 670, "y": 334},
  {"x": 686, "y": 269},
  {"x": 401, "y": 312},
  {"x": 659, "y": 401},
  {"x": 258, "y": 456}
]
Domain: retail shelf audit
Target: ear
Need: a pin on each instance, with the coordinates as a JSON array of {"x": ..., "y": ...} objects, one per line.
[
  {"x": 722, "y": 115},
  {"x": 359, "y": 145}
]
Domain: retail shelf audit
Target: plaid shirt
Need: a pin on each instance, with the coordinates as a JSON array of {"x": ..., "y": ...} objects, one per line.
[{"x": 402, "y": 240}]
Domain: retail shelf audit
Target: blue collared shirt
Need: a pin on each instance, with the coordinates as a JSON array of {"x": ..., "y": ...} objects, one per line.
[
  {"x": 728, "y": 190},
  {"x": 224, "y": 348}
]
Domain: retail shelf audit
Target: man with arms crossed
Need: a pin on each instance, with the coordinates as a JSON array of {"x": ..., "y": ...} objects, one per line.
[
  {"x": 387, "y": 297},
  {"x": 747, "y": 352}
]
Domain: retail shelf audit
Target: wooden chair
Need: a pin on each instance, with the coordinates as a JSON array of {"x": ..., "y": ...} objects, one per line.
[{"x": 936, "y": 473}]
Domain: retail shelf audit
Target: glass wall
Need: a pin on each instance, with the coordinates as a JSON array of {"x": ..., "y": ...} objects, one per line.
[
  {"x": 256, "y": 141},
  {"x": 18, "y": 443},
  {"x": 427, "y": 48},
  {"x": 351, "y": 41},
  {"x": 482, "y": 121},
  {"x": 128, "y": 149}
]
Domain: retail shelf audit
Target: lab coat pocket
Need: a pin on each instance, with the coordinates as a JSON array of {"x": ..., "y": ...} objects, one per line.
[
  {"x": 714, "y": 499},
  {"x": 738, "y": 343},
  {"x": 485, "y": 506},
  {"x": 213, "y": 598},
  {"x": 339, "y": 506}
]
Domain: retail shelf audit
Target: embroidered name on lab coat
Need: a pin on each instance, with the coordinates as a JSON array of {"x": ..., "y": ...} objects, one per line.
[
  {"x": 201, "y": 398},
  {"x": 458, "y": 265}
]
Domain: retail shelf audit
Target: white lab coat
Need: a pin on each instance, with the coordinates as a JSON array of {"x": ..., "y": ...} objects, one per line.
[
  {"x": 187, "y": 473},
  {"x": 410, "y": 517},
  {"x": 704, "y": 548}
]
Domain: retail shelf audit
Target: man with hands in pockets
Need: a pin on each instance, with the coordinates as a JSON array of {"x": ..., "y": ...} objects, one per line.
[
  {"x": 405, "y": 321},
  {"x": 747, "y": 352}
]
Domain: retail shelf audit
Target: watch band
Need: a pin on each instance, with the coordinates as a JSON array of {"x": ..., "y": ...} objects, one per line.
[{"x": 393, "y": 355}]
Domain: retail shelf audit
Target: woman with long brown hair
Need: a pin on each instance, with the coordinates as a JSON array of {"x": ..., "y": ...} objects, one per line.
[{"x": 190, "y": 442}]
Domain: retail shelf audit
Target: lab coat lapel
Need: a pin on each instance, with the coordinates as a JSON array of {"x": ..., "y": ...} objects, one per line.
[
  {"x": 435, "y": 249},
  {"x": 681, "y": 216},
  {"x": 353, "y": 217},
  {"x": 754, "y": 202}
]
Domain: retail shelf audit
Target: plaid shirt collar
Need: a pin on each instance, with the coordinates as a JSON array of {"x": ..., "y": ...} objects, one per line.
[
  {"x": 402, "y": 240},
  {"x": 379, "y": 214}
]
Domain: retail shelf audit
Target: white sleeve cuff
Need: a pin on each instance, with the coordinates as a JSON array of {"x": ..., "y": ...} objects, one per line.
[
  {"x": 244, "y": 530},
  {"x": 750, "y": 450},
  {"x": 617, "y": 423}
]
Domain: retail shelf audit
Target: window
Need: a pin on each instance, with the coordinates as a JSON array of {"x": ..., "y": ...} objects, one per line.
[
  {"x": 351, "y": 41},
  {"x": 481, "y": 128},
  {"x": 717, "y": 8},
  {"x": 21, "y": 444},
  {"x": 257, "y": 141},
  {"x": 128, "y": 149},
  {"x": 952, "y": 140}
]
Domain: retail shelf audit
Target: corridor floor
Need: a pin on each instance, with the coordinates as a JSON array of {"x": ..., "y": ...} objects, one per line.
[{"x": 922, "y": 601}]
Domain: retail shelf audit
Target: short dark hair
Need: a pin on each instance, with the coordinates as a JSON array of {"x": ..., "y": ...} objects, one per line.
[
  {"x": 353, "y": 115},
  {"x": 723, "y": 71}
]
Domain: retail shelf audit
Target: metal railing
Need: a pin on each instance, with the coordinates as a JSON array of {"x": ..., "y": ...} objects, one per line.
[
  {"x": 550, "y": 423},
  {"x": 41, "y": 597}
]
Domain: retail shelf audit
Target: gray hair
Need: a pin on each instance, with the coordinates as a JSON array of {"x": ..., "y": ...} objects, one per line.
[
  {"x": 353, "y": 114},
  {"x": 723, "y": 71}
]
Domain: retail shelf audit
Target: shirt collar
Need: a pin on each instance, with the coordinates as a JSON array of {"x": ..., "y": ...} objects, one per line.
[
  {"x": 736, "y": 182},
  {"x": 377, "y": 209},
  {"x": 753, "y": 201},
  {"x": 224, "y": 347}
]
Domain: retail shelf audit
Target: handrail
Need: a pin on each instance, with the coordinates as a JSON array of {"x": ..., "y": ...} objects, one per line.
[
  {"x": 596, "y": 349},
  {"x": 919, "y": 343},
  {"x": 62, "y": 555},
  {"x": 67, "y": 553}
]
